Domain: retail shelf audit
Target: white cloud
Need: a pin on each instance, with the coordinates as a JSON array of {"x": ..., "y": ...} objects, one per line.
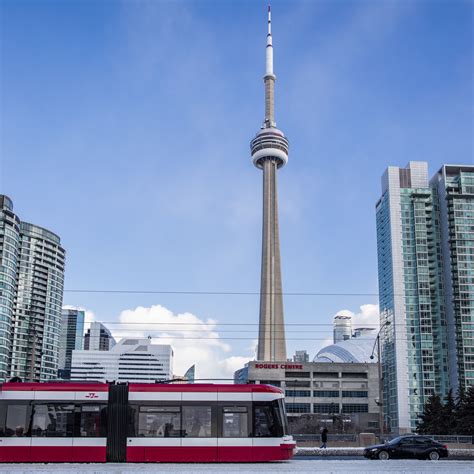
[
  {"x": 368, "y": 316},
  {"x": 194, "y": 340}
]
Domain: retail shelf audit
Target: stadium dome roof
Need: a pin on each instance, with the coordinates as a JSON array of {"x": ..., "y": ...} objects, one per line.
[{"x": 356, "y": 349}]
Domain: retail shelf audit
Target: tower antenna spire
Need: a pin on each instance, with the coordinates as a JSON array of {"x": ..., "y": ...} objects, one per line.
[{"x": 269, "y": 77}]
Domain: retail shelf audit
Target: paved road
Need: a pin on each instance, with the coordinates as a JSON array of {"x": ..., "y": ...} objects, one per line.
[{"x": 297, "y": 466}]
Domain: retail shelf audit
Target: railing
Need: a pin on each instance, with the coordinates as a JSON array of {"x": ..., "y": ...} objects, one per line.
[
  {"x": 331, "y": 437},
  {"x": 352, "y": 437},
  {"x": 460, "y": 439}
]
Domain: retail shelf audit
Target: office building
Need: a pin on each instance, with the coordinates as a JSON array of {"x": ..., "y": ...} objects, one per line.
[
  {"x": 32, "y": 278},
  {"x": 332, "y": 392},
  {"x": 71, "y": 338},
  {"x": 301, "y": 356},
  {"x": 269, "y": 153},
  {"x": 131, "y": 360},
  {"x": 98, "y": 338},
  {"x": 425, "y": 243}
]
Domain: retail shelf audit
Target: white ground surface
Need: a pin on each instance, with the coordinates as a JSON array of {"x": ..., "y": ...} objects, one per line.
[{"x": 294, "y": 467}]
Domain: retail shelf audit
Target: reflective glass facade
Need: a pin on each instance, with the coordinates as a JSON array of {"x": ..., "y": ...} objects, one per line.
[
  {"x": 32, "y": 279},
  {"x": 71, "y": 338},
  {"x": 455, "y": 188},
  {"x": 426, "y": 315},
  {"x": 9, "y": 262}
]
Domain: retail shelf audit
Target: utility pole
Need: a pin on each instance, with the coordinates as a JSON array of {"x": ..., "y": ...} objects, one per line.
[{"x": 380, "y": 376}]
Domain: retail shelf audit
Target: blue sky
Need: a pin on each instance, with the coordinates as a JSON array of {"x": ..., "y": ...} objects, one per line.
[{"x": 126, "y": 126}]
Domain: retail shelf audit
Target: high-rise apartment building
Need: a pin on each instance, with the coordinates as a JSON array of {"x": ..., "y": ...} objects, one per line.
[
  {"x": 32, "y": 279},
  {"x": 425, "y": 311},
  {"x": 9, "y": 262},
  {"x": 454, "y": 189},
  {"x": 98, "y": 338},
  {"x": 71, "y": 338},
  {"x": 131, "y": 360}
]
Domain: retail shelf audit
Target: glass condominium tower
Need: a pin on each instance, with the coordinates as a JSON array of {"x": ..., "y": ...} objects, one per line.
[
  {"x": 454, "y": 186},
  {"x": 31, "y": 284},
  {"x": 417, "y": 288},
  {"x": 71, "y": 338}
]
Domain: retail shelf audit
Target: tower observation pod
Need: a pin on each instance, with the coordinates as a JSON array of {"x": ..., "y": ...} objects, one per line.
[{"x": 269, "y": 151}]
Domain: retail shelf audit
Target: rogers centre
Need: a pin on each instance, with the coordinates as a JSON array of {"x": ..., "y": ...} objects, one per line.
[
  {"x": 278, "y": 366},
  {"x": 334, "y": 392}
]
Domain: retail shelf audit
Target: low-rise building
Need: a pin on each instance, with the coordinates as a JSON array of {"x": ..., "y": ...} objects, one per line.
[
  {"x": 341, "y": 395},
  {"x": 131, "y": 360}
]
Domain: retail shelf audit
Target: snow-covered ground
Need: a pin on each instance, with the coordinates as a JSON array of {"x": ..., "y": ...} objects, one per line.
[{"x": 297, "y": 466}]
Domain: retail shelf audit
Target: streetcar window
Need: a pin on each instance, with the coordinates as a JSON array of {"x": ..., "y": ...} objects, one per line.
[
  {"x": 159, "y": 422},
  {"x": 3, "y": 416},
  {"x": 197, "y": 421},
  {"x": 16, "y": 424},
  {"x": 235, "y": 422},
  {"x": 55, "y": 420},
  {"x": 90, "y": 421},
  {"x": 267, "y": 420}
]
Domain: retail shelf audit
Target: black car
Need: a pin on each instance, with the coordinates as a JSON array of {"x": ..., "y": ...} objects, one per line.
[{"x": 407, "y": 447}]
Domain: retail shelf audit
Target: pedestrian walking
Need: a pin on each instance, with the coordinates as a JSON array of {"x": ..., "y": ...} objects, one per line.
[{"x": 324, "y": 438}]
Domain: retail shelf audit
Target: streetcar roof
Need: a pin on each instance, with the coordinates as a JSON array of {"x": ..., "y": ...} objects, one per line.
[{"x": 139, "y": 387}]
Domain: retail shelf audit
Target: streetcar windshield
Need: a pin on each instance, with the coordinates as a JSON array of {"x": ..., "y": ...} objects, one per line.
[
  {"x": 269, "y": 419},
  {"x": 282, "y": 409}
]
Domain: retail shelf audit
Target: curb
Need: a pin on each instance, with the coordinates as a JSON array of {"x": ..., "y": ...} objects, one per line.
[{"x": 329, "y": 452}]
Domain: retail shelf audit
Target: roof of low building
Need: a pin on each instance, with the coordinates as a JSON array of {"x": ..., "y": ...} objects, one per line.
[{"x": 356, "y": 349}]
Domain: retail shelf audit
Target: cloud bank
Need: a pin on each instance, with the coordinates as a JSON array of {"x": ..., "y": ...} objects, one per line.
[{"x": 195, "y": 341}]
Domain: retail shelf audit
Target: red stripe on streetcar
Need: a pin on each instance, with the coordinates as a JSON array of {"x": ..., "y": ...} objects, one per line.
[{"x": 54, "y": 387}]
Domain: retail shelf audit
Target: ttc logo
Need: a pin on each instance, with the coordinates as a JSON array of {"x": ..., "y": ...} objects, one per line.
[{"x": 92, "y": 395}]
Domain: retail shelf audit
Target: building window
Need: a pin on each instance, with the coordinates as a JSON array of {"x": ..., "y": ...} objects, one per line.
[
  {"x": 298, "y": 407},
  {"x": 355, "y": 408},
  {"x": 326, "y": 393},
  {"x": 275, "y": 383},
  {"x": 298, "y": 393},
  {"x": 354, "y": 375},
  {"x": 326, "y": 375},
  {"x": 354, "y": 393},
  {"x": 326, "y": 408},
  {"x": 305, "y": 375},
  {"x": 297, "y": 383}
]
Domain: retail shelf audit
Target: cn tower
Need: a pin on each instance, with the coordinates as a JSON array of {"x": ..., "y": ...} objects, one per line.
[{"x": 269, "y": 153}]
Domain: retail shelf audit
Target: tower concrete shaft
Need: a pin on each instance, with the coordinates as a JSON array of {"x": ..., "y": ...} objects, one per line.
[
  {"x": 271, "y": 335},
  {"x": 269, "y": 153}
]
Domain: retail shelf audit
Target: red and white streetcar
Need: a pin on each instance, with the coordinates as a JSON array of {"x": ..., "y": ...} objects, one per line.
[{"x": 94, "y": 422}]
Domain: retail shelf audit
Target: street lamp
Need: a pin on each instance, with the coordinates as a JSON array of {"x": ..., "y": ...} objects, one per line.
[{"x": 379, "y": 364}]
